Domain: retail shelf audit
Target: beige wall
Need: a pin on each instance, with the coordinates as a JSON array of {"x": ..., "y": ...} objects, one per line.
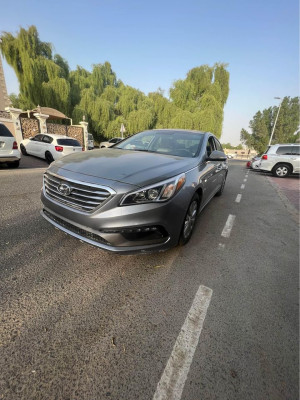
[{"x": 9, "y": 125}]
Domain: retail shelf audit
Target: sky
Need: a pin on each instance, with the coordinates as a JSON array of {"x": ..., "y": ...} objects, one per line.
[{"x": 150, "y": 44}]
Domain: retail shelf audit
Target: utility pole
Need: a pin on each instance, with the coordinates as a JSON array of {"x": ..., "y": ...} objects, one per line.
[{"x": 275, "y": 120}]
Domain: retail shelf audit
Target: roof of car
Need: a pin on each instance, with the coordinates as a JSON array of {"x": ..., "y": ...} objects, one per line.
[
  {"x": 54, "y": 136},
  {"x": 285, "y": 144}
]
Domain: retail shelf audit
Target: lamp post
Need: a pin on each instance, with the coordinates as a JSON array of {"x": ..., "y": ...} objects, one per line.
[{"x": 275, "y": 120}]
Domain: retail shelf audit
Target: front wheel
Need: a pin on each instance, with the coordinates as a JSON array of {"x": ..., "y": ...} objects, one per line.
[
  {"x": 220, "y": 191},
  {"x": 189, "y": 220},
  {"x": 23, "y": 150},
  {"x": 281, "y": 170}
]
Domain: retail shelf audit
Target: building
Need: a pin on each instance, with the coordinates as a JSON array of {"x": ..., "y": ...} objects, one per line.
[{"x": 4, "y": 99}]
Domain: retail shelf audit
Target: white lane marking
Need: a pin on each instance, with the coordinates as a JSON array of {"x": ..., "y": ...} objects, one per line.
[
  {"x": 238, "y": 198},
  {"x": 228, "y": 226},
  {"x": 245, "y": 180},
  {"x": 172, "y": 381},
  {"x": 242, "y": 186},
  {"x": 221, "y": 246}
]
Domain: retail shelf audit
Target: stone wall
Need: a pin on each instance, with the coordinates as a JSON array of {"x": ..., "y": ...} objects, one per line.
[
  {"x": 57, "y": 129},
  {"x": 76, "y": 132},
  {"x": 30, "y": 127},
  {"x": 5, "y": 114}
]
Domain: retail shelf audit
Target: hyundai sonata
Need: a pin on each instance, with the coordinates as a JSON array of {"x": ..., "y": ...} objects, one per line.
[{"x": 141, "y": 195}]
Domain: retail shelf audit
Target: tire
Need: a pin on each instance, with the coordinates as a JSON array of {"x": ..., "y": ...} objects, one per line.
[
  {"x": 23, "y": 150},
  {"x": 281, "y": 170},
  {"x": 49, "y": 157},
  {"x": 189, "y": 221},
  {"x": 14, "y": 164},
  {"x": 220, "y": 191}
]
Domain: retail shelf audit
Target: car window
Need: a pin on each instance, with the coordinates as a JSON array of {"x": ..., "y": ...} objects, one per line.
[
  {"x": 37, "y": 138},
  {"x": 115, "y": 140},
  {"x": 218, "y": 145},
  {"x": 68, "y": 142},
  {"x": 47, "y": 139},
  {"x": 296, "y": 150},
  {"x": 90, "y": 136},
  {"x": 284, "y": 150},
  {"x": 4, "y": 131},
  {"x": 210, "y": 147}
]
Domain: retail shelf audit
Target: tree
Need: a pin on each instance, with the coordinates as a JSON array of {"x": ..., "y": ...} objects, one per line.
[
  {"x": 196, "y": 102},
  {"x": 38, "y": 73},
  {"x": 263, "y": 122}
]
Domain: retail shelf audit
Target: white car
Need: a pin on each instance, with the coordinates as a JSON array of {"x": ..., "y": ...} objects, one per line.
[
  {"x": 281, "y": 159},
  {"x": 49, "y": 146},
  {"x": 110, "y": 142},
  {"x": 9, "y": 151}
]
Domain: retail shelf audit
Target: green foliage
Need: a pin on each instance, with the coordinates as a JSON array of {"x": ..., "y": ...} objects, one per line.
[
  {"x": 37, "y": 71},
  {"x": 263, "y": 122},
  {"x": 196, "y": 102},
  {"x": 231, "y": 147}
]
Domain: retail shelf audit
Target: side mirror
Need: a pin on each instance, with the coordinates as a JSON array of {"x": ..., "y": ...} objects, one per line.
[{"x": 217, "y": 156}]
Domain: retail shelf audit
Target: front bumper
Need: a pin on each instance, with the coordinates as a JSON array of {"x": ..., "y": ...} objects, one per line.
[{"x": 143, "y": 228}]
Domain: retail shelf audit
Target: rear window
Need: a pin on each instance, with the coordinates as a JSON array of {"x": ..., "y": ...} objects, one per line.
[
  {"x": 284, "y": 150},
  {"x": 90, "y": 136},
  {"x": 68, "y": 142},
  {"x": 5, "y": 131}
]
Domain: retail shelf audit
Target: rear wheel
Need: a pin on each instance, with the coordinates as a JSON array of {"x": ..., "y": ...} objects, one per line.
[
  {"x": 14, "y": 164},
  {"x": 281, "y": 170},
  {"x": 23, "y": 150},
  {"x": 49, "y": 157},
  {"x": 189, "y": 220}
]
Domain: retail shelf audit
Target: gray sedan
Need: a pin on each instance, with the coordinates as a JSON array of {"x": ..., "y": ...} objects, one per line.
[{"x": 141, "y": 195}]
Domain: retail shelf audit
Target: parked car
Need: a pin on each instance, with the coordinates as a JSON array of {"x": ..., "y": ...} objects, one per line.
[
  {"x": 254, "y": 162},
  {"x": 9, "y": 151},
  {"x": 281, "y": 159},
  {"x": 111, "y": 142},
  {"x": 141, "y": 195},
  {"x": 90, "y": 141},
  {"x": 49, "y": 146}
]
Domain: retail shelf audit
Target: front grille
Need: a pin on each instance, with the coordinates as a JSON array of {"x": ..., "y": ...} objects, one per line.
[
  {"x": 84, "y": 197},
  {"x": 73, "y": 228}
]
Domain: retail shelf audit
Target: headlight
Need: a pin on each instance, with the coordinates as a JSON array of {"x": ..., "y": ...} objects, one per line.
[{"x": 159, "y": 192}]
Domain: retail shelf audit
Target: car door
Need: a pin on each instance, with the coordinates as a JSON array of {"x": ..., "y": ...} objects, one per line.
[
  {"x": 33, "y": 146},
  {"x": 295, "y": 158},
  {"x": 210, "y": 177},
  {"x": 221, "y": 168},
  {"x": 45, "y": 145}
]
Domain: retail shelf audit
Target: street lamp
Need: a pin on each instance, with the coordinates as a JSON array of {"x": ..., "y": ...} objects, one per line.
[{"x": 275, "y": 120}]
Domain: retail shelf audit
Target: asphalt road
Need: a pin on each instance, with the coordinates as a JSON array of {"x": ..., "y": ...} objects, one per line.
[{"x": 77, "y": 323}]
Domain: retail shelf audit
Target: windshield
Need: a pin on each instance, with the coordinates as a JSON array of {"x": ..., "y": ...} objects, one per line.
[{"x": 171, "y": 142}]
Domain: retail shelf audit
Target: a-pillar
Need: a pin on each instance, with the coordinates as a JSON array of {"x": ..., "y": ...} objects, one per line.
[
  {"x": 85, "y": 133},
  {"x": 42, "y": 118},
  {"x": 15, "y": 117}
]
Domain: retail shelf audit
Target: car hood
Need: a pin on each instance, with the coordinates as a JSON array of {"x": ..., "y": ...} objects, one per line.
[{"x": 133, "y": 167}]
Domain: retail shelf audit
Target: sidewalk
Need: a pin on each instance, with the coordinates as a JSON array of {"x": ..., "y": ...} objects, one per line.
[{"x": 290, "y": 187}]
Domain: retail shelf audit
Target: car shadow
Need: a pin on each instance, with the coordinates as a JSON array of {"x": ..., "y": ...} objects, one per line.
[{"x": 27, "y": 162}]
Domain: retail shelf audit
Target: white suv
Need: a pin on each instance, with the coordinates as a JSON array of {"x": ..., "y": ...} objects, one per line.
[
  {"x": 281, "y": 159},
  {"x": 49, "y": 146},
  {"x": 9, "y": 152}
]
